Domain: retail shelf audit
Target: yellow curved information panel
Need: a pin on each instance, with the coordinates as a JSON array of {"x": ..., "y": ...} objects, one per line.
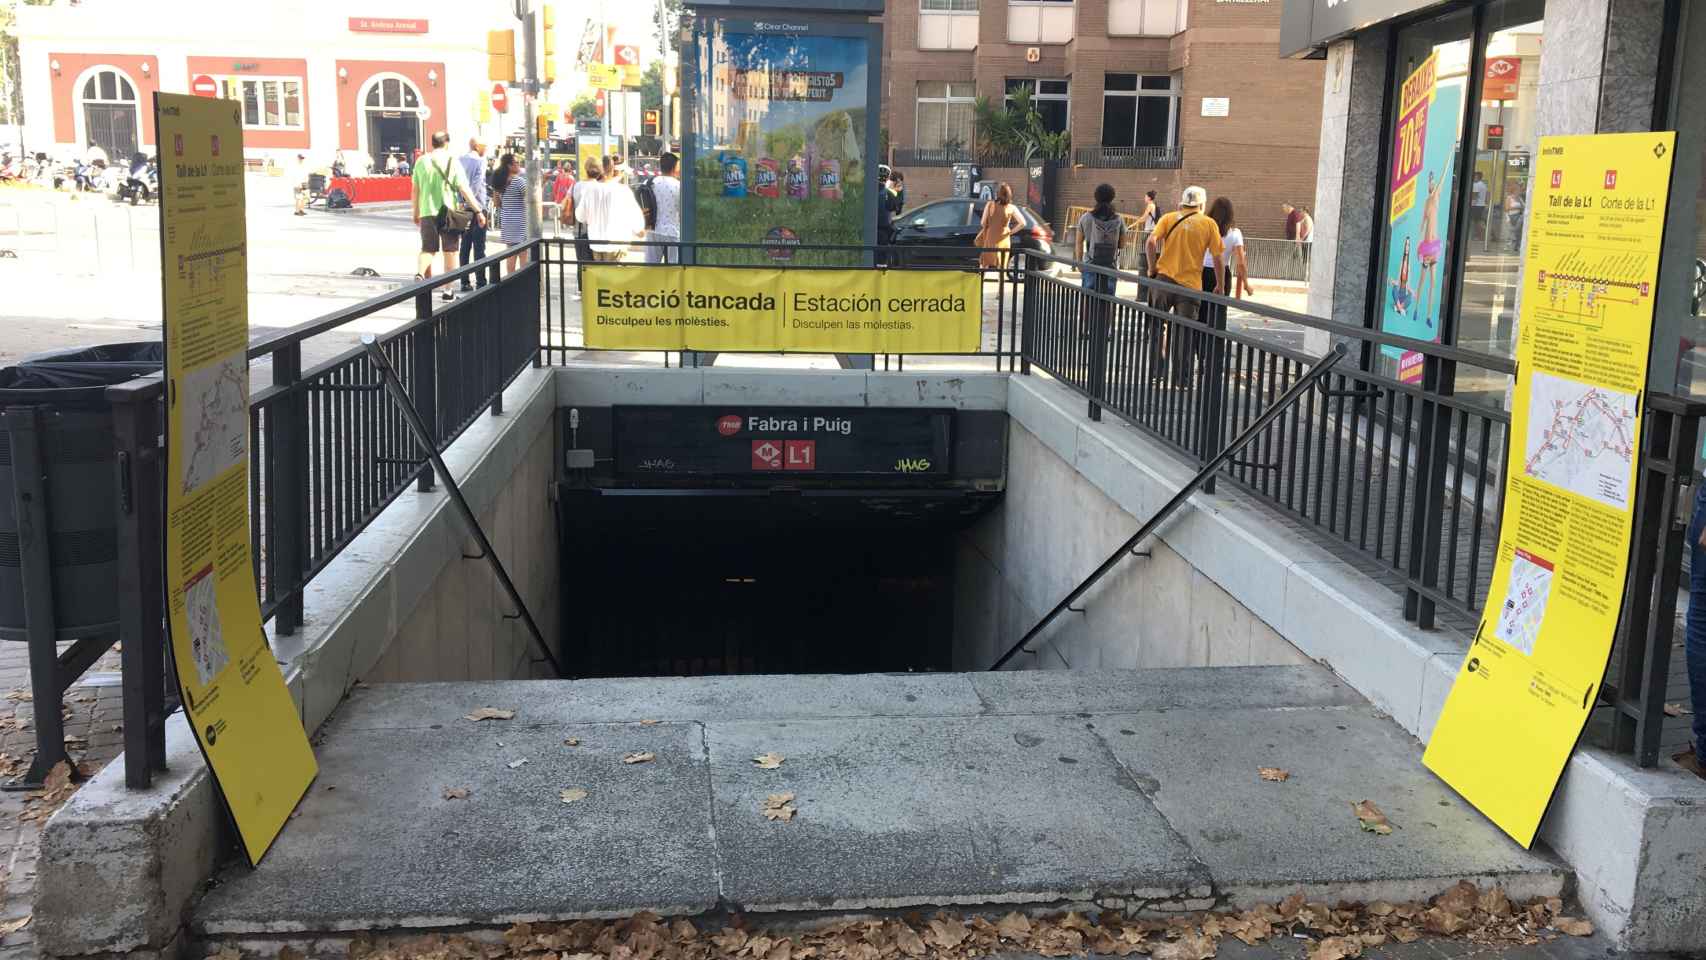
[
  {"x": 1532, "y": 674},
  {"x": 233, "y": 692},
  {"x": 633, "y": 307}
]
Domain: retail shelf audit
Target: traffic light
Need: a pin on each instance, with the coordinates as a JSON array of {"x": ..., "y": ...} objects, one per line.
[
  {"x": 650, "y": 123},
  {"x": 500, "y": 55},
  {"x": 548, "y": 27}
]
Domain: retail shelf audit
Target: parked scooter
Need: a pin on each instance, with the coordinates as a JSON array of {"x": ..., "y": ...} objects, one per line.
[{"x": 143, "y": 181}]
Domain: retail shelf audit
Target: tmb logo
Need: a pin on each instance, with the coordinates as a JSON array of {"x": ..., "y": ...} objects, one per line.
[
  {"x": 728, "y": 424},
  {"x": 1557, "y": 179}
]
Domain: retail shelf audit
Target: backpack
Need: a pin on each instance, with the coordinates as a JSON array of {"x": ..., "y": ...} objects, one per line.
[
  {"x": 648, "y": 199},
  {"x": 1102, "y": 240},
  {"x": 337, "y": 199}
]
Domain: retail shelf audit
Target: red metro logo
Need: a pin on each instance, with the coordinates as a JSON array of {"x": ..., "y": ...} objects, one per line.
[{"x": 729, "y": 424}]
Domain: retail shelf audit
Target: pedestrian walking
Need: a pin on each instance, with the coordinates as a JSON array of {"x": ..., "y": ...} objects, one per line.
[
  {"x": 509, "y": 188},
  {"x": 298, "y": 175},
  {"x": 666, "y": 191},
  {"x": 1176, "y": 251},
  {"x": 583, "y": 249},
  {"x": 995, "y": 236},
  {"x": 1235, "y": 276},
  {"x": 436, "y": 187},
  {"x": 612, "y": 217},
  {"x": 897, "y": 186},
  {"x": 1478, "y": 209},
  {"x": 1101, "y": 234},
  {"x": 1515, "y": 205},
  {"x": 473, "y": 246}
]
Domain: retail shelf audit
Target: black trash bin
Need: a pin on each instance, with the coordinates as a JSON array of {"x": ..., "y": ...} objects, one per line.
[{"x": 75, "y": 446}]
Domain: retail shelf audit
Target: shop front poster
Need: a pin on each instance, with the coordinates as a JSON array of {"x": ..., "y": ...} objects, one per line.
[
  {"x": 780, "y": 131},
  {"x": 1533, "y": 671},
  {"x": 1423, "y": 152},
  {"x": 234, "y": 694}
]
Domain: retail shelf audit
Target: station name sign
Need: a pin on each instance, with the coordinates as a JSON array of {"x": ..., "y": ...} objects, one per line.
[{"x": 660, "y": 442}]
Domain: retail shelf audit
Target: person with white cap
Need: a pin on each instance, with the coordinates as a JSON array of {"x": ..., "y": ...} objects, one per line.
[{"x": 1182, "y": 242}]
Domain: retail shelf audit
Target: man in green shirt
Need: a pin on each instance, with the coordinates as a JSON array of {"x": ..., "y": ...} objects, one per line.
[{"x": 438, "y": 183}]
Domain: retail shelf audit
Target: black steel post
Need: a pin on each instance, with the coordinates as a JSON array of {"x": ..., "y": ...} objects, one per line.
[
  {"x": 140, "y": 464},
  {"x": 29, "y": 503},
  {"x": 287, "y": 490},
  {"x": 423, "y": 384},
  {"x": 1097, "y": 385}
]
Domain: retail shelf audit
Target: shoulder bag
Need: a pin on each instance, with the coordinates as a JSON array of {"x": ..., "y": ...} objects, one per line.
[{"x": 452, "y": 219}]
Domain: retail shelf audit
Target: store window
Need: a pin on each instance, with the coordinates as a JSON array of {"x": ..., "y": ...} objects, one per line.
[
  {"x": 1454, "y": 212},
  {"x": 946, "y": 112},
  {"x": 1039, "y": 21},
  {"x": 1139, "y": 110},
  {"x": 1050, "y": 98},
  {"x": 269, "y": 103},
  {"x": 1146, "y": 18}
]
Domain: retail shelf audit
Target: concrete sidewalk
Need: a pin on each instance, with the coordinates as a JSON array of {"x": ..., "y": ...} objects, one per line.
[{"x": 1138, "y": 790}]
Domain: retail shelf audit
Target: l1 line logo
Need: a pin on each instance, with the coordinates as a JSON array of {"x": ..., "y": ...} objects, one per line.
[{"x": 773, "y": 310}]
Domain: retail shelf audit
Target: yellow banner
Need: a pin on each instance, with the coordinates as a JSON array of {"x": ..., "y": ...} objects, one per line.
[
  {"x": 234, "y": 694},
  {"x": 635, "y": 307},
  {"x": 1534, "y": 669},
  {"x": 603, "y": 76}
]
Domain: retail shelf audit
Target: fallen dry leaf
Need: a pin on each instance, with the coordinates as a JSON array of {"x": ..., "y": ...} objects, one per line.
[
  {"x": 650, "y": 723},
  {"x": 1191, "y": 946},
  {"x": 1371, "y": 818},
  {"x": 455, "y": 793},
  {"x": 1574, "y": 926},
  {"x": 779, "y": 806},
  {"x": 1674, "y": 710},
  {"x": 769, "y": 761},
  {"x": 1274, "y": 774},
  {"x": 1336, "y": 948},
  {"x": 571, "y": 795},
  {"x": 572, "y": 742},
  {"x": 489, "y": 713},
  {"x": 643, "y": 756},
  {"x": 13, "y": 926},
  {"x": 227, "y": 953},
  {"x": 1014, "y": 926},
  {"x": 517, "y": 764}
]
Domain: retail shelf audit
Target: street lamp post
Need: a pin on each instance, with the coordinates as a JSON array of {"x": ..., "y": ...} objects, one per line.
[{"x": 529, "y": 92}]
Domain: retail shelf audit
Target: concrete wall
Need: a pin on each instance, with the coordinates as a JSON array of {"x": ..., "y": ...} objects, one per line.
[
  {"x": 457, "y": 629},
  {"x": 1051, "y": 530}
]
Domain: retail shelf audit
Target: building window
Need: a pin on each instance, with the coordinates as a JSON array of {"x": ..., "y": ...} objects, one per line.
[
  {"x": 1139, "y": 110},
  {"x": 269, "y": 103},
  {"x": 945, "y": 115},
  {"x": 1039, "y": 21},
  {"x": 1146, "y": 18},
  {"x": 1049, "y": 98},
  {"x": 947, "y": 24}
]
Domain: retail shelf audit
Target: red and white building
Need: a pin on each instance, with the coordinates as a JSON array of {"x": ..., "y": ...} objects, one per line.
[{"x": 316, "y": 78}]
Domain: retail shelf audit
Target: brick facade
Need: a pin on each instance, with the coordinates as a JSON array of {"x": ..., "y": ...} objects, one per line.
[{"x": 1261, "y": 154}]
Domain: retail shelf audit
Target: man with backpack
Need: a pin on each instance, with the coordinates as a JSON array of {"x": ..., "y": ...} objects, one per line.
[{"x": 436, "y": 185}]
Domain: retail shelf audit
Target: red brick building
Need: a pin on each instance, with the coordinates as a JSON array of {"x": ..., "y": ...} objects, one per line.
[{"x": 1157, "y": 95}]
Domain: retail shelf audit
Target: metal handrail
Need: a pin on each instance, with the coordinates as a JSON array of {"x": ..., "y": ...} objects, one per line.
[{"x": 1291, "y": 396}]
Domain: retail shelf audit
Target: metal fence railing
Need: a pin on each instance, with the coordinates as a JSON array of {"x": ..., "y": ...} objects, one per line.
[
  {"x": 1130, "y": 158},
  {"x": 948, "y": 156}
]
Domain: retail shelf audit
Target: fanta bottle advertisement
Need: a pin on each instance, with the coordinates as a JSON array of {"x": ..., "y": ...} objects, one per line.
[{"x": 779, "y": 131}]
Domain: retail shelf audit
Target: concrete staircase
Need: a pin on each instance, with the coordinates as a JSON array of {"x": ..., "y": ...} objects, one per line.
[{"x": 1132, "y": 789}]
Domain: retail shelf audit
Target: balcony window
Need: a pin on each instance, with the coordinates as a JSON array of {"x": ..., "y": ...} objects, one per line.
[
  {"x": 1139, "y": 110},
  {"x": 945, "y": 115},
  {"x": 1146, "y": 18},
  {"x": 1051, "y": 98},
  {"x": 1040, "y": 21}
]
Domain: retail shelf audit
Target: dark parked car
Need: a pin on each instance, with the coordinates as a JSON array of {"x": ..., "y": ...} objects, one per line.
[{"x": 954, "y": 223}]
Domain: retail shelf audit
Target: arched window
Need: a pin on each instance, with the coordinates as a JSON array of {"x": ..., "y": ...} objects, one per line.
[
  {"x": 107, "y": 86},
  {"x": 392, "y": 93}
]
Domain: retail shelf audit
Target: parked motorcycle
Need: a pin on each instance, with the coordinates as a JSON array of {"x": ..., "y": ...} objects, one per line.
[{"x": 142, "y": 183}]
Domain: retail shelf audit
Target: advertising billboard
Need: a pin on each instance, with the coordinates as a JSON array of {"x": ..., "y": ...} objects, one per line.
[{"x": 782, "y": 144}]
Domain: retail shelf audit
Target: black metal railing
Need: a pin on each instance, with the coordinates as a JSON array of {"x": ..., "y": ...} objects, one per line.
[
  {"x": 328, "y": 448},
  {"x": 1391, "y": 471},
  {"x": 1129, "y": 158},
  {"x": 948, "y": 156}
]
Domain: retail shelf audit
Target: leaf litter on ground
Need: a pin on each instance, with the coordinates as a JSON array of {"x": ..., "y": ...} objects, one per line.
[
  {"x": 1333, "y": 932},
  {"x": 640, "y": 756},
  {"x": 1273, "y": 774},
  {"x": 489, "y": 713},
  {"x": 779, "y": 806},
  {"x": 1371, "y": 818},
  {"x": 769, "y": 761},
  {"x": 571, "y": 795}
]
